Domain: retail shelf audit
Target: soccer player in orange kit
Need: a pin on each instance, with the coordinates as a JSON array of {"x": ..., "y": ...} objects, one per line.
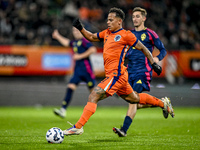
[{"x": 116, "y": 43}]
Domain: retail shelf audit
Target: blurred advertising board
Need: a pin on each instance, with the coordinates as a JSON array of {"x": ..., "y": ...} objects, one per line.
[
  {"x": 57, "y": 61},
  {"x": 184, "y": 63},
  {"x": 35, "y": 60}
]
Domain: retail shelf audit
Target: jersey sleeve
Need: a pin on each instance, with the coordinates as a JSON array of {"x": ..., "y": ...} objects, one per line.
[
  {"x": 101, "y": 35},
  {"x": 159, "y": 45},
  {"x": 131, "y": 38},
  {"x": 71, "y": 43}
]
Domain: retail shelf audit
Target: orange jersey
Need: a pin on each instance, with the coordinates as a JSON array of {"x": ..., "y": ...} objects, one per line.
[{"x": 115, "y": 46}]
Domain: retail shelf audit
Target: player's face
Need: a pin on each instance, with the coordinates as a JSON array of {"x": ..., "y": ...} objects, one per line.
[
  {"x": 114, "y": 23},
  {"x": 138, "y": 19},
  {"x": 76, "y": 33}
]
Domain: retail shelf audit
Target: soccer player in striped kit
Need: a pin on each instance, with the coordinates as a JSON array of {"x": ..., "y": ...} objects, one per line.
[{"x": 139, "y": 68}]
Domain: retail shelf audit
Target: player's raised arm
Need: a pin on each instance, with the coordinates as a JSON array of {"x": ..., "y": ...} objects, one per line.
[
  {"x": 64, "y": 41},
  {"x": 148, "y": 54},
  {"x": 87, "y": 34}
]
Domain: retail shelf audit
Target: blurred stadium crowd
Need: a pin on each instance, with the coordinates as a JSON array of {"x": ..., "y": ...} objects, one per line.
[{"x": 33, "y": 21}]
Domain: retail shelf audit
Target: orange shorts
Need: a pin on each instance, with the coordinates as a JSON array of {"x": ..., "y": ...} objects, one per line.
[{"x": 120, "y": 85}]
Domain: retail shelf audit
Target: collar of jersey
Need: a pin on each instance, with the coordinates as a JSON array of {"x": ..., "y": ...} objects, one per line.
[
  {"x": 140, "y": 30},
  {"x": 117, "y": 30}
]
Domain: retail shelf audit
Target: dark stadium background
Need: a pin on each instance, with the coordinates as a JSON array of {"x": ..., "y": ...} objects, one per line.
[{"x": 31, "y": 22}]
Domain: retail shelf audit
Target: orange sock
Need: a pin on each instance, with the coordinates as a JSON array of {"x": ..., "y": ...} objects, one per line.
[
  {"x": 88, "y": 111},
  {"x": 150, "y": 100}
]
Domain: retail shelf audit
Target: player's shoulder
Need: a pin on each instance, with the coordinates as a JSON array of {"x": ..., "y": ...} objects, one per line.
[
  {"x": 84, "y": 40},
  {"x": 106, "y": 31},
  {"x": 152, "y": 32},
  {"x": 126, "y": 32},
  {"x": 86, "y": 43}
]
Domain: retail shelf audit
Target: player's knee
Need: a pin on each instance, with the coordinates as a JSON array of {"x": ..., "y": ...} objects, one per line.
[
  {"x": 139, "y": 106},
  {"x": 136, "y": 98},
  {"x": 131, "y": 98},
  {"x": 71, "y": 86},
  {"x": 93, "y": 97},
  {"x": 96, "y": 95},
  {"x": 91, "y": 89}
]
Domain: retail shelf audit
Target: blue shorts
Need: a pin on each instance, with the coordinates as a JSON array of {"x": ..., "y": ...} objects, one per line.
[
  {"x": 85, "y": 77},
  {"x": 140, "y": 81}
]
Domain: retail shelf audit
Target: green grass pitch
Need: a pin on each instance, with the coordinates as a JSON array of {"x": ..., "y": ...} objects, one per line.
[{"x": 25, "y": 128}]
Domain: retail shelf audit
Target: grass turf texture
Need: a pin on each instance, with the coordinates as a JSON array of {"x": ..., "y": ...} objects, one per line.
[{"x": 26, "y": 127}]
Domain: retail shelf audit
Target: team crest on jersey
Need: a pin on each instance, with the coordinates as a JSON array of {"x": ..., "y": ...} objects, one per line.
[
  {"x": 143, "y": 36},
  {"x": 79, "y": 43},
  {"x": 117, "y": 38}
]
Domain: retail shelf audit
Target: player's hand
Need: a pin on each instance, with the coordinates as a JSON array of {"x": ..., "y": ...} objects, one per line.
[
  {"x": 156, "y": 68},
  {"x": 77, "y": 57},
  {"x": 77, "y": 24},
  {"x": 55, "y": 34},
  {"x": 156, "y": 60}
]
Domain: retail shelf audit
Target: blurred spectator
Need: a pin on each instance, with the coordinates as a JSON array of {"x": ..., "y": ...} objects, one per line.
[
  {"x": 32, "y": 21},
  {"x": 21, "y": 35}
]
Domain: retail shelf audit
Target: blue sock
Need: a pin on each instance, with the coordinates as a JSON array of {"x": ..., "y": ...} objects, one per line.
[
  {"x": 67, "y": 98},
  {"x": 127, "y": 123}
]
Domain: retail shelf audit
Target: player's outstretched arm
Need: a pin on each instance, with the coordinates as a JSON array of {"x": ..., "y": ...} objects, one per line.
[
  {"x": 64, "y": 41},
  {"x": 87, "y": 34},
  {"x": 148, "y": 54}
]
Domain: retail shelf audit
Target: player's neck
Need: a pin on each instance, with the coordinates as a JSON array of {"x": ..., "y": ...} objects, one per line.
[
  {"x": 140, "y": 28},
  {"x": 117, "y": 29}
]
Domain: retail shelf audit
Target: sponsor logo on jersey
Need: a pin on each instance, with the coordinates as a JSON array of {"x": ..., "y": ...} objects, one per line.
[{"x": 139, "y": 82}]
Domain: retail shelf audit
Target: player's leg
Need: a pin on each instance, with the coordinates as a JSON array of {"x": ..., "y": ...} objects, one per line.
[
  {"x": 165, "y": 104},
  {"x": 101, "y": 91},
  {"x": 89, "y": 109},
  {"x": 144, "y": 98},
  {"x": 122, "y": 132},
  {"x": 71, "y": 87},
  {"x": 132, "y": 109}
]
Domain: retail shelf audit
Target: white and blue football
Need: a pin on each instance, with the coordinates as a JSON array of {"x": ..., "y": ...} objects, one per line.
[{"x": 54, "y": 135}]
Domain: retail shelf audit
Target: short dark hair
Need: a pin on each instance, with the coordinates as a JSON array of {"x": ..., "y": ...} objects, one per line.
[
  {"x": 142, "y": 10},
  {"x": 119, "y": 13}
]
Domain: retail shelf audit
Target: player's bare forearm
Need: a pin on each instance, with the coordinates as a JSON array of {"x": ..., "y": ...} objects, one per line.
[
  {"x": 89, "y": 36},
  {"x": 90, "y": 51},
  {"x": 64, "y": 41},
  {"x": 86, "y": 54},
  {"x": 146, "y": 52}
]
